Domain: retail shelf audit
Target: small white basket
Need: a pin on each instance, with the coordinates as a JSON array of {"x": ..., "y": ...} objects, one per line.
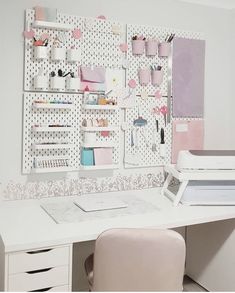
[
  {"x": 58, "y": 54},
  {"x": 73, "y": 83},
  {"x": 40, "y": 52},
  {"x": 57, "y": 83},
  {"x": 73, "y": 55},
  {"x": 40, "y": 82}
]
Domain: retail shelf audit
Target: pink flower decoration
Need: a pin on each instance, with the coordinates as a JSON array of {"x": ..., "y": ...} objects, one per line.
[
  {"x": 123, "y": 47},
  {"x": 163, "y": 110},
  {"x": 158, "y": 94},
  {"x": 44, "y": 36},
  {"x": 101, "y": 17},
  {"x": 76, "y": 33},
  {"x": 132, "y": 83},
  {"x": 29, "y": 34}
]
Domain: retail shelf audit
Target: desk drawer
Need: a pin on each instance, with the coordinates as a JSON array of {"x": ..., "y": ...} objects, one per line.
[
  {"x": 21, "y": 262},
  {"x": 40, "y": 279}
]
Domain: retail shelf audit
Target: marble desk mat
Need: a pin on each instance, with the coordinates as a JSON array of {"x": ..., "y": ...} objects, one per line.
[{"x": 68, "y": 212}]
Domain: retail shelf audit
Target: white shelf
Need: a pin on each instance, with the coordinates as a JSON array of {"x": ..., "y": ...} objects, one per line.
[
  {"x": 108, "y": 128},
  {"x": 99, "y": 145},
  {"x": 51, "y": 170},
  {"x": 99, "y": 167},
  {"x": 52, "y": 106},
  {"x": 51, "y": 129},
  {"x": 51, "y": 146},
  {"x": 100, "y": 107},
  {"x": 52, "y": 25}
]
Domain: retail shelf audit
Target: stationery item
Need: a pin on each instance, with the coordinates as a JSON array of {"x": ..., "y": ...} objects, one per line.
[
  {"x": 127, "y": 98},
  {"x": 144, "y": 76},
  {"x": 188, "y": 77},
  {"x": 157, "y": 77},
  {"x": 87, "y": 157},
  {"x": 157, "y": 125},
  {"x": 103, "y": 156},
  {"x": 187, "y": 135},
  {"x": 93, "y": 78},
  {"x": 151, "y": 47},
  {"x": 164, "y": 49},
  {"x": 162, "y": 146},
  {"x": 45, "y": 13},
  {"x": 140, "y": 122},
  {"x": 164, "y": 111},
  {"x": 154, "y": 145},
  {"x": 138, "y": 47},
  {"x": 114, "y": 80}
]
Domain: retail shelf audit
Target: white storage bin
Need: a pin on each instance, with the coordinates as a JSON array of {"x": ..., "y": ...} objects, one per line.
[
  {"x": 73, "y": 83},
  {"x": 57, "y": 54},
  {"x": 40, "y": 82},
  {"x": 73, "y": 55},
  {"x": 40, "y": 52},
  {"x": 57, "y": 83}
]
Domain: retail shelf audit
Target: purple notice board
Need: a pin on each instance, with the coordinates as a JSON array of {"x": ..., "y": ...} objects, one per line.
[{"x": 188, "y": 66}]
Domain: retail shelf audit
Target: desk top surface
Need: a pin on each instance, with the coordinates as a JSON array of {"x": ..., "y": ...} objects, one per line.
[{"x": 25, "y": 225}]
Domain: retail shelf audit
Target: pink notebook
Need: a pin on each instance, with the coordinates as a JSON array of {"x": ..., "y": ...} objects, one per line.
[
  {"x": 103, "y": 156},
  {"x": 187, "y": 135}
]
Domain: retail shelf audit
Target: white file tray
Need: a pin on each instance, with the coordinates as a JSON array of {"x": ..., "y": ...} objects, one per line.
[{"x": 199, "y": 175}]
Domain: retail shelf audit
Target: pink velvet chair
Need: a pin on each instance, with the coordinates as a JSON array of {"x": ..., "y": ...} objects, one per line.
[{"x": 137, "y": 260}]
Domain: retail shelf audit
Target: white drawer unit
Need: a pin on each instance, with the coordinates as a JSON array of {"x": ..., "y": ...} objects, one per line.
[{"x": 45, "y": 269}]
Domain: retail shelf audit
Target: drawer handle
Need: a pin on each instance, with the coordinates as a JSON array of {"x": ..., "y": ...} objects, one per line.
[
  {"x": 42, "y": 290},
  {"x": 39, "y": 271},
  {"x": 39, "y": 251}
]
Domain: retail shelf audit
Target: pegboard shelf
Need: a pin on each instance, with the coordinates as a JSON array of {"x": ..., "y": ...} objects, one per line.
[
  {"x": 99, "y": 145},
  {"x": 52, "y": 25},
  {"x": 52, "y": 170},
  {"x": 51, "y": 146},
  {"x": 51, "y": 129},
  {"x": 99, "y": 167},
  {"x": 52, "y": 106},
  {"x": 99, "y": 107},
  {"x": 108, "y": 128}
]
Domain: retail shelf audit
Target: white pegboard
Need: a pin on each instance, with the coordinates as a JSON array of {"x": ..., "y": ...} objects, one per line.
[
  {"x": 44, "y": 116},
  {"x": 72, "y": 117},
  {"x": 98, "y": 45},
  {"x": 148, "y": 158},
  {"x": 137, "y": 60}
]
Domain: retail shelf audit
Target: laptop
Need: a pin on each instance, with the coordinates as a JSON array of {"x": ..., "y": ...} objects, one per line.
[{"x": 94, "y": 203}]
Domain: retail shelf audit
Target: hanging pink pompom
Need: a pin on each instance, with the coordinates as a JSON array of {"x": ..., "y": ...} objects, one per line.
[
  {"x": 123, "y": 47},
  {"x": 29, "y": 34},
  {"x": 132, "y": 83},
  {"x": 76, "y": 33},
  {"x": 158, "y": 94}
]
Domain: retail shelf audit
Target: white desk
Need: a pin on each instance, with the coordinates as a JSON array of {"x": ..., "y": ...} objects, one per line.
[{"x": 25, "y": 226}]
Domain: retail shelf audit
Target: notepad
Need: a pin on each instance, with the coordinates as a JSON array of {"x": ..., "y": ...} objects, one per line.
[{"x": 98, "y": 204}]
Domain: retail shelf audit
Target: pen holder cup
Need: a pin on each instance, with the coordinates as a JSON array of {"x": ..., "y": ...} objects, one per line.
[
  {"x": 157, "y": 77},
  {"x": 151, "y": 47},
  {"x": 40, "y": 82},
  {"x": 89, "y": 137},
  {"x": 144, "y": 76},
  {"x": 73, "y": 55},
  {"x": 57, "y": 83},
  {"x": 57, "y": 54},
  {"x": 40, "y": 52},
  {"x": 138, "y": 47},
  {"x": 73, "y": 83},
  {"x": 164, "y": 49}
]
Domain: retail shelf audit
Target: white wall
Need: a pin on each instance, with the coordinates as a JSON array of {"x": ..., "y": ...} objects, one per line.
[{"x": 215, "y": 23}]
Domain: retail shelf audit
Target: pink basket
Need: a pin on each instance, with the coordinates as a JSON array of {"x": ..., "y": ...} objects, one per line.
[
  {"x": 144, "y": 76},
  {"x": 157, "y": 77},
  {"x": 164, "y": 49},
  {"x": 151, "y": 47},
  {"x": 138, "y": 47}
]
